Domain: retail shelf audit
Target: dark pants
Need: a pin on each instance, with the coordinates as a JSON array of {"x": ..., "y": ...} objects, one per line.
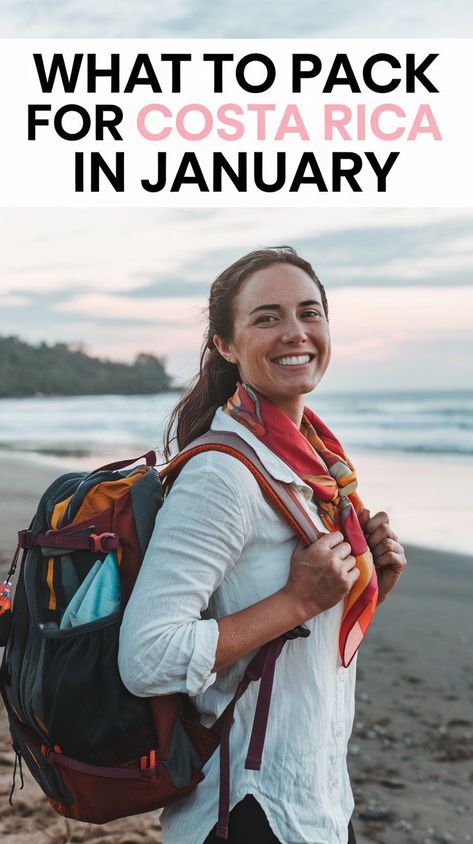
[{"x": 248, "y": 825}]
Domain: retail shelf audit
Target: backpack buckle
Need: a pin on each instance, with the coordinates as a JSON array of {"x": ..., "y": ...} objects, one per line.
[
  {"x": 102, "y": 543},
  {"x": 296, "y": 632},
  {"x": 148, "y": 765},
  {"x": 25, "y": 538}
]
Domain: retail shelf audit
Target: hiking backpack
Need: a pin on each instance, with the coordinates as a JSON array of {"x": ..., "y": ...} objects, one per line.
[{"x": 97, "y": 751}]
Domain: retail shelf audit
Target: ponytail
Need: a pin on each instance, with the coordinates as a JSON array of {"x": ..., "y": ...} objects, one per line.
[{"x": 192, "y": 416}]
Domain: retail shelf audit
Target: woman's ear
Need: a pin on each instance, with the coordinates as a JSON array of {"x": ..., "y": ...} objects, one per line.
[{"x": 224, "y": 349}]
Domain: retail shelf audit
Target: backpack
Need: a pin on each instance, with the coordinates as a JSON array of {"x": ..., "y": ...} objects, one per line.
[{"x": 97, "y": 751}]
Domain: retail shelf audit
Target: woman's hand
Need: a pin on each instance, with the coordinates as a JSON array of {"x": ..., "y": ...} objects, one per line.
[
  {"x": 388, "y": 554},
  {"x": 321, "y": 574}
]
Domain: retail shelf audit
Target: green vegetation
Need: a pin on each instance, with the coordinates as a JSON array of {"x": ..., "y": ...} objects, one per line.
[{"x": 66, "y": 370}]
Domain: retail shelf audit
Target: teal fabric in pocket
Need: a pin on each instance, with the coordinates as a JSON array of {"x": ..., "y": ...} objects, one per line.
[{"x": 98, "y": 595}]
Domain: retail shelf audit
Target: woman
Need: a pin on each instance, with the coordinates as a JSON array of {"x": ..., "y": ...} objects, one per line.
[{"x": 223, "y": 552}]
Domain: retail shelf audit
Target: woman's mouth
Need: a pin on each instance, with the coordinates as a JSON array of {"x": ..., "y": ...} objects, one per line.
[{"x": 293, "y": 360}]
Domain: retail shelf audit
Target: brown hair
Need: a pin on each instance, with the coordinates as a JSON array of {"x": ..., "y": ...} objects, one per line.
[{"x": 217, "y": 378}]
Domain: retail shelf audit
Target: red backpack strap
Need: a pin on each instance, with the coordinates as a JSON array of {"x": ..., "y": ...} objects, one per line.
[{"x": 280, "y": 494}]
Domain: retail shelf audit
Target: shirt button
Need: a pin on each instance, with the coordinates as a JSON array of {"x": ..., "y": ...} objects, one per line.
[
  {"x": 339, "y": 731},
  {"x": 341, "y": 678}
]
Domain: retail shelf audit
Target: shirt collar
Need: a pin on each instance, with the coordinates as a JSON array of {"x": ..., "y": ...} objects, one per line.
[{"x": 271, "y": 462}]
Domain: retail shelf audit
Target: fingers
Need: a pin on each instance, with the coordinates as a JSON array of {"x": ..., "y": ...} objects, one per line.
[
  {"x": 393, "y": 558},
  {"x": 336, "y": 538},
  {"x": 396, "y": 562},
  {"x": 345, "y": 550},
  {"x": 388, "y": 545},
  {"x": 330, "y": 540},
  {"x": 383, "y": 532},
  {"x": 354, "y": 575},
  {"x": 373, "y": 522}
]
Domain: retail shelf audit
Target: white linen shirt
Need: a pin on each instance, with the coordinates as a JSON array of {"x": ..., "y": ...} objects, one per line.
[{"x": 220, "y": 546}]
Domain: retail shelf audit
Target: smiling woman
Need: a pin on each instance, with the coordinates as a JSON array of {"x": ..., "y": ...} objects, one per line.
[
  {"x": 231, "y": 327},
  {"x": 281, "y": 348},
  {"x": 229, "y": 576}
]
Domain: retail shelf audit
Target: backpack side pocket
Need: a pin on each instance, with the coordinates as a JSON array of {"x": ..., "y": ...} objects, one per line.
[{"x": 86, "y": 707}]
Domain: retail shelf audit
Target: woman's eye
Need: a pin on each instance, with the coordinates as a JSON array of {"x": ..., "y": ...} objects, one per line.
[{"x": 267, "y": 318}]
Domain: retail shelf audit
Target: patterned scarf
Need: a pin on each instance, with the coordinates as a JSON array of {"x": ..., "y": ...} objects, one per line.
[{"x": 315, "y": 454}]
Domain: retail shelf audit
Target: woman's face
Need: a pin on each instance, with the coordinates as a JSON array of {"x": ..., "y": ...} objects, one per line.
[{"x": 281, "y": 339}]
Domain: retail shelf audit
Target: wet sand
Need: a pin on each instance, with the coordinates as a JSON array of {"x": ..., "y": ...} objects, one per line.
[{"x": 411, "y": 752}]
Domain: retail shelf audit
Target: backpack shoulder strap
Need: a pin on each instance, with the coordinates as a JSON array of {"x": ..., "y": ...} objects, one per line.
[
  {"x": 262, "y": 665},
  {"x": 280, "y": 494}
]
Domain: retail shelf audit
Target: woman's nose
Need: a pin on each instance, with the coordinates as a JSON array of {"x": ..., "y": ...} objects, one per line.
[{"x": 293, "y": 332}]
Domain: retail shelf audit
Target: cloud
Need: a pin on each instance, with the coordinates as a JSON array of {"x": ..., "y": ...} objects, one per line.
[
  {"x": 385, "y": 323},
  {"x": 158, "y": 311},
  {"x": 393, "y": 252},
  {"x": 13, "y": 301},
  {"x": 147, "y": 250},
  {"x": 225, "y": 18},
  {"x": 85, "y": 18}
]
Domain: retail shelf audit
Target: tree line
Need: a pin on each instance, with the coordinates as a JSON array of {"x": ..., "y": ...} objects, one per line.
[{"x": 62, "y": 369}]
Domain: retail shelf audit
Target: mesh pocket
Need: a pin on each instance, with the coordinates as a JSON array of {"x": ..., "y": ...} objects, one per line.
[{"x": 85, "y": 705}]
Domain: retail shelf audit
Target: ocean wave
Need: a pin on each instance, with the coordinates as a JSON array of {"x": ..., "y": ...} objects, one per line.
[{"x": 83, "y": 426}]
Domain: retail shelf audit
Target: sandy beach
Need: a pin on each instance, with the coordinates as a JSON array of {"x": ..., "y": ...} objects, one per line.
[{"x": 411, "y": 752}]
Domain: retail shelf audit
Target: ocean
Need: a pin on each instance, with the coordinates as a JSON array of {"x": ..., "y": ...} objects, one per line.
[
  {"x": 436, "y": 424},
  {"x": 413, "y": 451}
]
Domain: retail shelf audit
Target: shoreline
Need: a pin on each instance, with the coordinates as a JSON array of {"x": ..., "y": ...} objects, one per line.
[
  {"x": 411, "y": 750},
  {"x": 411, "y": 488}
]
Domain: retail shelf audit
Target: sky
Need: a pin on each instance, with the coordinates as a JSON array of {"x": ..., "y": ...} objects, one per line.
[
  {"x": 121, "y": 281},
  {"x": 227, "y": 18}
]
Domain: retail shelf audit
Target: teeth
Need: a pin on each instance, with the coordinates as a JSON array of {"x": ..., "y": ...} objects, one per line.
[{"x": 295, "y": 360}]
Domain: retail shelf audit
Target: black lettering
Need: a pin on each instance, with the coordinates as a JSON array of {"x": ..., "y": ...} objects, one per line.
[
  {"x": 142, "y": 62},
  {"x": 239, "y": 177},
  {"x": 241, "y": 68},
  {"x": 413, "y": 73},
  {"x": 308, "y": 160},
  {"x": 218, "y": 59},
  {"x": 280, "y": 173},
  {"x": 109, "y": 123},
  {"x": 341, "y": 62},
  {"x": 308, "y": 73},
  {"x": 34, "y": 121},
  {"x": 58, "y": 65},
  {"x": 348, "y": 173},
  {"x": 79, "y": 172},
  {"x": 381, "y": 171},
  {"x": 368, "y": 73},
  {"x": 93, "y": 72},
  {"x": 116, "y": 177},
  {"x": 176, "y": 59},
  {"x": 72, "y": 136},
  {"x": 189, "y": 160},
  {"x": 160, "y": 182}
]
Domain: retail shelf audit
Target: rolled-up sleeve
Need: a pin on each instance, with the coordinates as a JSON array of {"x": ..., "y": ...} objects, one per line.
[{"x": 165, "y": 644}]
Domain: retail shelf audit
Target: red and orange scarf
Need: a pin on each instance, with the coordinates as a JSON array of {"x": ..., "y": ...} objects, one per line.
[{"x": 316, "y": 455}]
